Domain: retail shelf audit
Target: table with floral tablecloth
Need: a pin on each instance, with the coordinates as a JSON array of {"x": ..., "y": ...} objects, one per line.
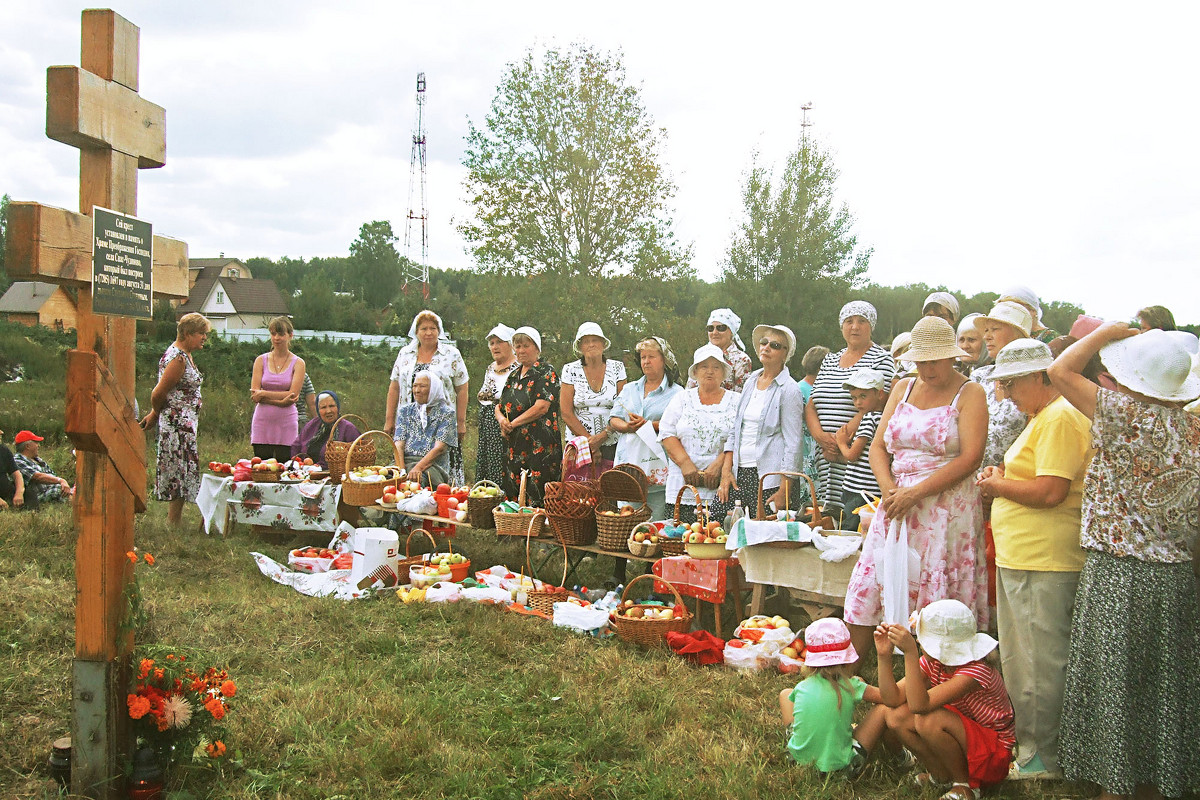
[
  {"x": 705, "y": 579},
  {"x": 283, "y": 506}
]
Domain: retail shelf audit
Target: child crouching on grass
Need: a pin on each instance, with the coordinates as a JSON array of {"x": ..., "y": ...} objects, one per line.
[
  {"x": 951, "y": 710},
  {"x": 819, "y": 710}
]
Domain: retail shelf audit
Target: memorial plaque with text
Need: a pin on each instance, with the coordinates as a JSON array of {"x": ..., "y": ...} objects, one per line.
[{"x": 122, "y": 265}]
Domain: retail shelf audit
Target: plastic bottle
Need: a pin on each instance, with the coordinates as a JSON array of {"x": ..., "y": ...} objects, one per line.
[
  {"x": 609, "y": 601},
  {"x": 735, "y": 513}
]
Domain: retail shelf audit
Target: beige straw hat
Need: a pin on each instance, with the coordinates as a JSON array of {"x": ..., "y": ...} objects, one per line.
[
  {"x": 933, "y": 339},
  {"x": 1009, "y": 313},
  {"x": 1022, "y": 357}
]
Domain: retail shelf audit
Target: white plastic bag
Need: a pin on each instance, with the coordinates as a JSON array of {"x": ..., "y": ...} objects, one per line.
[
  {"x": 578, "y": 618},
  {"x": 750, "y": 656},
  {"x": 898, "y": 568},
  {"x": 443, "y": 592},
  {"x": 420, "y": 503},
  {"x": 487, "y": 594}
]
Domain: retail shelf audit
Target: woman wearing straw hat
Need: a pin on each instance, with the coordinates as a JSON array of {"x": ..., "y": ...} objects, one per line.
[
  {"x": 490, "y": 454},
  {"x": 1038, "y": 493},
  {"x": 830, "y": 406},
  {"x": 589, "y": 389},
  {"x": 768, "y": 431},
  {"x": 723, "y": 326},
  {"x": 427, "y": 350},
  {"x": 643, "y": 402},
  {"x": 1006, "y": 322},
  {"x": 925, "y": 459},
  {"x": 695, "y": 428},
  {"x": 528, "y": 418},
  {"x": 1133, "y": 676}
]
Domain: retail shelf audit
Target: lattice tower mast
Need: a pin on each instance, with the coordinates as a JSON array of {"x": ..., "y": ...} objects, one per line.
[{"x": 417, "y": 271}]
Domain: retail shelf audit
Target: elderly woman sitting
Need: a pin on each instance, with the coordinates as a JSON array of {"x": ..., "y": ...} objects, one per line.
[
  {"x": 425, "y": 430},
  {"x": 315, "y": 435}
]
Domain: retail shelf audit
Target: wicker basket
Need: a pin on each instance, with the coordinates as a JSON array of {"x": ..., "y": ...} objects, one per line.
[
  {"x": 336, "y": 452},
  {"x": 818, "y": 519},
  {"x": 646, "y": 549},
  {"x": 263, "y": 476},
  {"x": 676, "y": 547},
  {"x": 515, "y": 523},
  {"x": 543, "y": 599},
  {"x": 650, "y": 632},
  {"x": 616, "y": 486},
  {"x": 410, "y": 560},
  {"x": 616, "y": 492},
  {"x": 361, "y": 493},
  {"x": 571, "y": 505},
  {"x": 479, "y": 509}
]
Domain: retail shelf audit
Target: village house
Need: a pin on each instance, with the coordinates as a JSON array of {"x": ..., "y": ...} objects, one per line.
[
  {"x": 36, "y": 303},
  {"x": 224, "y": 290}
]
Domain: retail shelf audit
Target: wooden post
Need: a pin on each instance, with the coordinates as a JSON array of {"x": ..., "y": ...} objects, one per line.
[{"x": 96, "y": 108}]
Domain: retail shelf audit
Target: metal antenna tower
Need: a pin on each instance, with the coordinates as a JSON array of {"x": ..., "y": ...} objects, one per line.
[
  {"x": 804, "y": 123},
  {"x": 414, "y": 271}
]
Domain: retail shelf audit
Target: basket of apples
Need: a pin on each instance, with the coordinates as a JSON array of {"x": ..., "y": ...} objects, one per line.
[
  {"x": 648, "y": 625},
  {"x": 644, "y": 540},
  {"x": 265, "y": 471},
  {"x": 364, "y": 486},
  {"x": 311, "y": 559},
  {"x": 706, "y": 541},
  {"x": 483, "y": 497},
  {"x": 457, "y": 565}
]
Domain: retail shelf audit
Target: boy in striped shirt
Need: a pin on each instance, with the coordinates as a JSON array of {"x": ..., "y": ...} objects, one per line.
[
  {"x": 951, "y": 709},
  {"x": 866, "y": 388}
]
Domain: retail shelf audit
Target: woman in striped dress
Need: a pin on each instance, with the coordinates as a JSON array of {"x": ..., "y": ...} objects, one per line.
[{"x": 830, "y": 406}]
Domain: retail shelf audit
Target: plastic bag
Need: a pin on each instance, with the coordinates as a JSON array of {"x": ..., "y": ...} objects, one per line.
[
  {"x": 487, "y": 594},
  {"x": 443, "y": 592},
  {"x": 698, "y": 647},
  {"x": 749, "y": 656},
  {"x": 898, "y": 567},
  {"x": 420, "y": 503},
  {"x": 578, "y": 618}
]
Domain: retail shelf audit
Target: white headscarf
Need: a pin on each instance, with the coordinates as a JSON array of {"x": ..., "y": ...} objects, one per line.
[
  {"x": 1026, "y": 297},
  {"x": 725, "y": 316},
  {"x": 437, "y": 395},
  {"x": 859, "y": 308},
  {"x": 412, "y": 329}
]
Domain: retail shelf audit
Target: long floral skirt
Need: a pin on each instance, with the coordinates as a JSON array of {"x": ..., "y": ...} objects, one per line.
[
  {"x": 490, "y": 455},
  {"x": 1131, "y": 714},
  {"x": 177, "y": 474}
]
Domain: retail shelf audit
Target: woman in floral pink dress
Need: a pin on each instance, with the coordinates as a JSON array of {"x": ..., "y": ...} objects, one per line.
[{"x": 931, "y": 440}]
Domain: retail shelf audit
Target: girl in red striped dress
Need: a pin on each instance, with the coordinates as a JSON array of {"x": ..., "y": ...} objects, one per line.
[{"x": 951, "y": 710}]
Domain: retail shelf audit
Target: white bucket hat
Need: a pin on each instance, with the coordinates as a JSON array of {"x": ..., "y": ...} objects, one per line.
[
  {"x": 501, "y": 332},
  {"x": 1026, "y": 297},
  {"x": 706, "y": 352},
  {"x": 933, "y": 339},
  {"x": 1022, "y": 357},
  {"x": 531, "y": 332},
  {"x": 946, "y": 631},
  {"x": 1154, "y": 364},
  {"x": 865, "y": 378},
  {"x": 759, "y": 330},
  {"x": 827, "y": 643},
  {"x": 589, "y": 329},
  {"x": 1009, "y": 313}
]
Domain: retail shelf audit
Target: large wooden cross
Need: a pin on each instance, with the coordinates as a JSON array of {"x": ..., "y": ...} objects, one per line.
[{"x": 96, "y": 108}]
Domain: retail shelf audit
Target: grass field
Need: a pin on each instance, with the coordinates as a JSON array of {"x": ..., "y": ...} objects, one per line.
[{"x": 377, "y": 699}]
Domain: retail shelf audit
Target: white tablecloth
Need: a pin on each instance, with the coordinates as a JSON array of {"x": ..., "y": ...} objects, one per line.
[
  {"x": 287, "y": 506},
  {"x": 799, "y": 568}
]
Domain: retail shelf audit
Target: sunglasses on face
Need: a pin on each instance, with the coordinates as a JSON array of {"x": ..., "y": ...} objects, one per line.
[
  {"x": 771, "y": 344},
  {"x": 721, "y": 328}
]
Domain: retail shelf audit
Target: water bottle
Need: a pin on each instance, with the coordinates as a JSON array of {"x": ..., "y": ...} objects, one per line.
[
  {"x": 735, "y": 513},
  {"x": 609, "y": 602}
]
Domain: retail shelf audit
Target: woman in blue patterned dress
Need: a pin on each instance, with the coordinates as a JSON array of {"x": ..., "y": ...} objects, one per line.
[
  {"x": 426, "y": 430},
  {"x": 175, "y": 408}
]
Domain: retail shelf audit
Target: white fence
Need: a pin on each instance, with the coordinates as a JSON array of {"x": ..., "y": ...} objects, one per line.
[{"x": 263, "y": 335}]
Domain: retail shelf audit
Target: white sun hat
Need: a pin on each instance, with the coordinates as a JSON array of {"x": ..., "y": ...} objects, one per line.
[
  {"x": 501, "y": 332},
  {"x": 1154, "y": 364},
  {"x": 933, "y": 339},
  {"x": 946, "y": 631},
  {"x": 706, "y": 352},
  {"x": 1009, "y": 313},
  {"x": 589, "y": 329},
  {"x": 865, "y": 378},
  {"x": 531, "y": 332},
  {"x": 759, "y": 330},
  {"x": 1022, "y": 357},
  {"x": 827, "y": 643}
]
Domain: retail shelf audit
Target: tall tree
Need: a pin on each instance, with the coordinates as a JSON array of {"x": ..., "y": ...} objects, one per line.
[
  {"x": 565, "y": 174},
  {"x": 794, "y": 257},
  {"x": 374, "y": 271},
  {"x": 4, "y": 279}
]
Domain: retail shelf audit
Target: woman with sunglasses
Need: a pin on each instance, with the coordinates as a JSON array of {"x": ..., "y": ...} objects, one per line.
[
  {"x": 768, "y": 432},
  {"x": 830, "y": 406},
  {"x": 723, "y": 326}
]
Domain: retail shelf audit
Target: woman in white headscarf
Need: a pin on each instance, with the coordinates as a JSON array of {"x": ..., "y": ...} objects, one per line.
[
  {"x": 427, "y": 350},
  {"x": 830, "y": 406},
  {"x": 970, "y": 339},
  {"x": 941, "y": 304},
  {"x": 1028, "y": 298},
  {"x": 723, "y": 327},
  {"x": 491, "y": 454},
  {"x": 528, "y": 416},
  {"x": 425, "y": 431}
]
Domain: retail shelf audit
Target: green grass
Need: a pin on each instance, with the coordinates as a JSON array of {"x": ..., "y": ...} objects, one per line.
[{"x": 377, "y": 699}]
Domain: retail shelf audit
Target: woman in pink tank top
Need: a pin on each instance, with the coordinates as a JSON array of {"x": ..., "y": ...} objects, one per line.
[{"x": 278, "y": 376}]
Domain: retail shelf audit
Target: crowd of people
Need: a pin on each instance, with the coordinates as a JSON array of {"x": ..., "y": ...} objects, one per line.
[{"x": 1034, "y": 494}]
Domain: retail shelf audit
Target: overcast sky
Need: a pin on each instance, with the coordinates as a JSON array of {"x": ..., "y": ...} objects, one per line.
[{"x": 1050, "y": 144}]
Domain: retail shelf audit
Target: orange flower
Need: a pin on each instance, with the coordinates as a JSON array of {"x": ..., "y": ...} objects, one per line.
[
  {"x": 145, "y": 667},
  {"x": 228, "y": 688},
  {"x": 132, "y": 556},
  {"x": 149, "y": 559},
  {"x": 158, "y": 673},
  {"x": 138, "y": 706},
  {"x": 216, "y": 708},
  {"x": 216, "y": 749}
]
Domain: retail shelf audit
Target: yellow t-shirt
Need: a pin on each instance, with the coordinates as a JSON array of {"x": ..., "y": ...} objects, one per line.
[{"x": 1056, "y": 442}]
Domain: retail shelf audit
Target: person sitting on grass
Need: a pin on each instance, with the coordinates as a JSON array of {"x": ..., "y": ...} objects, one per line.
[
  {"x": 819, "y": 710},
  {"x": 12, "y": 482},
  {"x": 854, "y": 440},
  {"x": 37, "y": 473},
  {"x": 950, "y": 712}
]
